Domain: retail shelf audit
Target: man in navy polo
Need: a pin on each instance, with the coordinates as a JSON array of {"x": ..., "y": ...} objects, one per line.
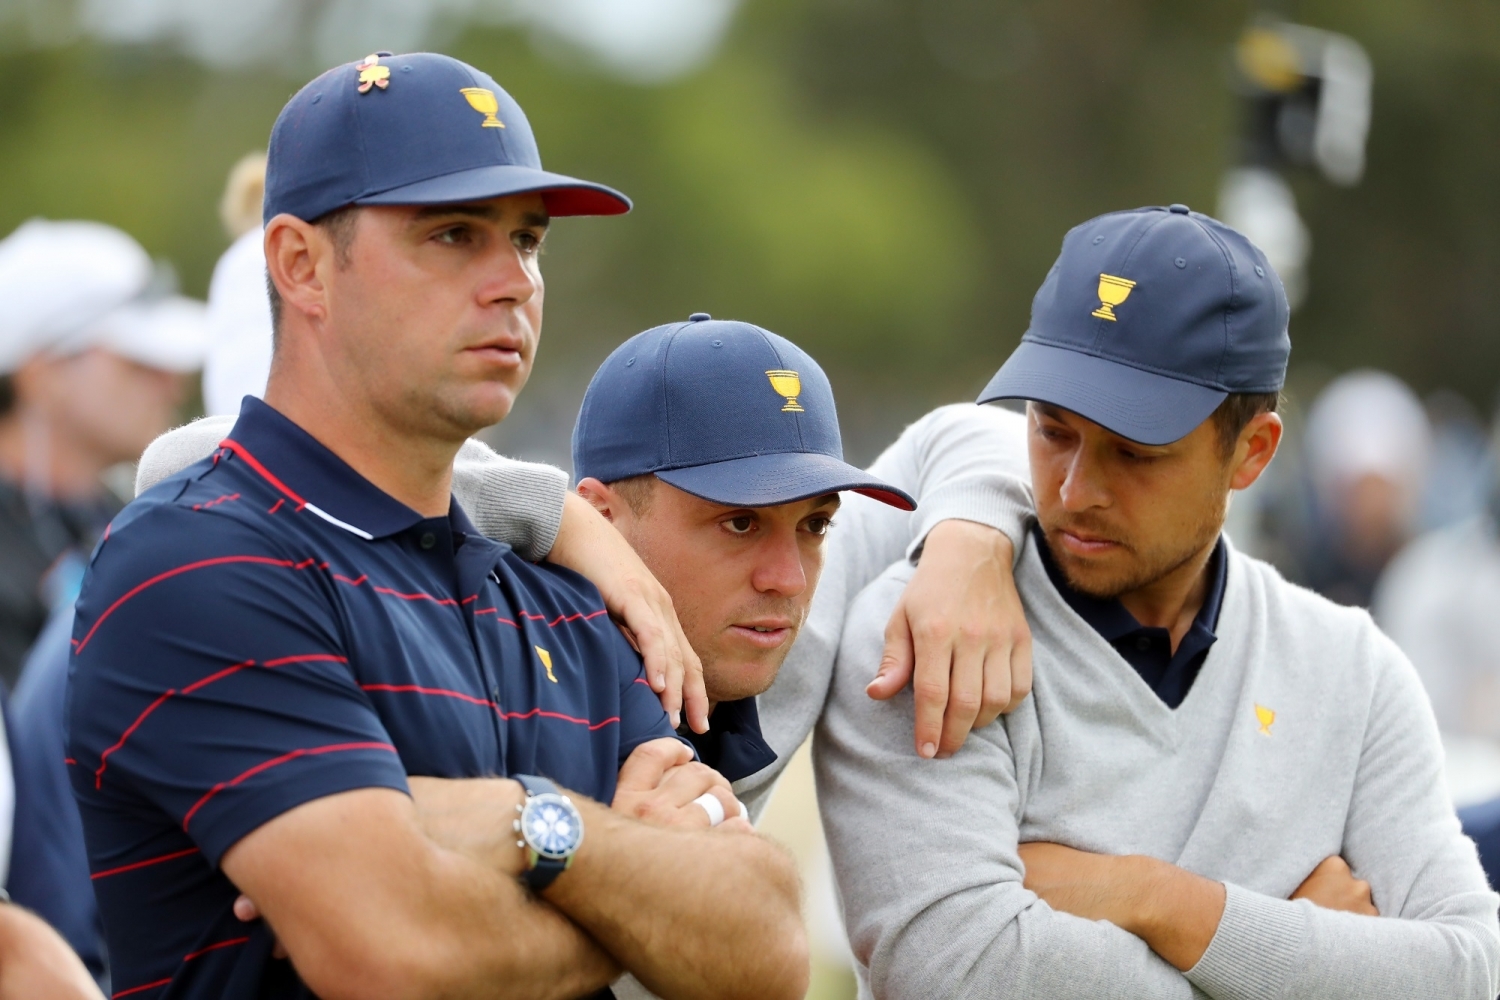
[{"x": 269, "y": 644}]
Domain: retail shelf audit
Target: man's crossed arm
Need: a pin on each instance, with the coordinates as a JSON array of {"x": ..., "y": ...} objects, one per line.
[
  {"x": 1173, "y": 910},
  {"x": 373, "y": 894}
]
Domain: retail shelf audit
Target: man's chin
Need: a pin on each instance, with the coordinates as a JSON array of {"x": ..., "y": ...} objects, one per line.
[{"x": 734, "y": 679}]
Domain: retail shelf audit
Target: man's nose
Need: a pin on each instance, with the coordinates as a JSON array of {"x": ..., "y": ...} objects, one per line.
[
  {"x": 1082, "y": 488},
  {"x": 513, "y": 278},
  {"x": 778, "y": 567}
]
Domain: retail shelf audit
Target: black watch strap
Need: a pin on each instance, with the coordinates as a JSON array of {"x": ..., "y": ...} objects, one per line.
[{"x": 546, "y": 870}]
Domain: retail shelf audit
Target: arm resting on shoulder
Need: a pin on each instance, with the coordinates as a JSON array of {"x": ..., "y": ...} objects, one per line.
[{"x": 958, "y": 634}]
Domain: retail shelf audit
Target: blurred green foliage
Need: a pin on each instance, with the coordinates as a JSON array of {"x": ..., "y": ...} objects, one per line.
[{"x": 885, "y": 181}]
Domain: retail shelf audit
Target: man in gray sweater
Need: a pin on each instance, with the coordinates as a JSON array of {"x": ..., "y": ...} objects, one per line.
[{"x": 1222, "y": 785}]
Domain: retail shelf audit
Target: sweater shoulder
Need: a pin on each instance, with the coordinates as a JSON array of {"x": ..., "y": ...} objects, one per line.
[{"x": 1312, "y": 625}]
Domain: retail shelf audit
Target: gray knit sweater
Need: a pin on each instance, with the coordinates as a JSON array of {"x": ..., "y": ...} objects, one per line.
[{"x": 1350, "y": 763}]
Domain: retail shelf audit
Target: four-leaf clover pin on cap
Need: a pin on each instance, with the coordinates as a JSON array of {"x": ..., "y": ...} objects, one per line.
[
  {"x": 724, "y": 410},
  {"x": 416, "y": 129},
  {"x": 1147, "y": 321}
]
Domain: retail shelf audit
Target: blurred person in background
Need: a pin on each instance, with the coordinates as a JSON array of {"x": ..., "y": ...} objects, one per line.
[
  {"x": 1366, "y": 453},
  {"x": 1438, "y": 601},
  {"x": 238, "y": 361},
  {"x": 90, "y": 371},
  {"x": 96, "y": 362}
]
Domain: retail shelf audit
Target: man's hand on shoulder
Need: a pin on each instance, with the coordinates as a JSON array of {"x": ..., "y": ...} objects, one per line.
[
  {"x": 590, "y": 545},
  {"x": 959, "y": 636},
  {"x": 660, "y": 784}
]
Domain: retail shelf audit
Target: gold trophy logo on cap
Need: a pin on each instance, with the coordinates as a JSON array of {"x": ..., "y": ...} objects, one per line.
[
  {"x": 485, "y": 103},
  {"x": 788, "y": 384},
  {"x": 1112, "y": 292}
]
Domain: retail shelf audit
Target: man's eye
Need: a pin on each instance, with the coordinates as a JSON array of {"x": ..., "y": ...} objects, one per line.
[
  {"x": 740, "y": 525},
  {"x": 453, "y": 236},
  {"x": 527, "y": 242},
  {"x": 819, "y": 525}
]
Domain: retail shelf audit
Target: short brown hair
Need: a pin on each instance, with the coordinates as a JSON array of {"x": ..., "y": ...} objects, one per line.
[
  {"x": 1236, "y": 412},
  {"x": 339, "y": 226},
  {"x": 638, "y": 491}
]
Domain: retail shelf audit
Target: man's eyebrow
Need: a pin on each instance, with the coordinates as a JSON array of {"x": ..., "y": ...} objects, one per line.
[
  {"x": 831, "y": 500},
  {"x": 480, "y": 210}
]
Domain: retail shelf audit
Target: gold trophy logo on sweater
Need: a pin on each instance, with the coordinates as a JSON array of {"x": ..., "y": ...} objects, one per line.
[{"x": 1266, "y": 718}]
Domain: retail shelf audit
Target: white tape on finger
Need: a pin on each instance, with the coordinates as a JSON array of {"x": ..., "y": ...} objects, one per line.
[
  {"x": 711, "y": 805},
  {"x": 744, "y": 813}
]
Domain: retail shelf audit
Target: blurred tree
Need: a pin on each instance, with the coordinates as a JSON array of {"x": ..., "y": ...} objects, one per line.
[{"x": 886, "y": 181}]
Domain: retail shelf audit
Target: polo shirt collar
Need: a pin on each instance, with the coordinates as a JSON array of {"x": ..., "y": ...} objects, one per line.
[
  {"x": 1108, "y": 617},
  {"x": 310, "y": 475}
]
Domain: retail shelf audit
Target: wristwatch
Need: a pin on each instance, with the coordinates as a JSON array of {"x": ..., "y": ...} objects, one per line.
[{"x": 550, "y": 829}]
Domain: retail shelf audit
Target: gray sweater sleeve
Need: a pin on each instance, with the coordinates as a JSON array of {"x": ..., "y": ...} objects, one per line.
[
  {"x": 962, "y": 462},
  {"x": 1438, "y": 937},
  {"x": 510, "y": 501},
  {"x": 925, "y": 854}
]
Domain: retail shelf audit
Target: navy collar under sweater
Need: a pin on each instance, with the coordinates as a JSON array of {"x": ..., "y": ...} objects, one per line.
[
  {"x": 733, "y": 745},
  {"x": 1149, "y": 649}
]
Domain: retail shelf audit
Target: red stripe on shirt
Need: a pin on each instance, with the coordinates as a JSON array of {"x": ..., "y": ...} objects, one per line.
[
  {"x": 530, "y": 714},
  {"x": 215, "y": 947},
  {"x": 144, "y": 864},
  {"x": 141, "y": 989},
  {"x": 418, "y": 689},
  {"x": 418, "y": 596},
  {"x": 276, "y": 762},
  {"x": 577, "y": 617},
  {"x": 186, "y": 958},
  {"x": 202, "y": 683},
  {"x": 104, "y": 757},
  {"x": 543, "y": 713},
  {"x": 188, "y": 568},
  {"x": 265, "y": 473}
]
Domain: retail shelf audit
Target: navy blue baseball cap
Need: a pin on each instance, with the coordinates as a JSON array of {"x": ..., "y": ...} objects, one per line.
[
  {"x": 1147, "y": 321},
  {"x": 417, "y": 129},
  {"x": 720, "y": 409}
]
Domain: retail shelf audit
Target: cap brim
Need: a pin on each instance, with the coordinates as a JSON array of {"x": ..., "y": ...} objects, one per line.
[
  {"x": 564, "y": 195},
  {"x": 1142, "y": 406},
  {"x": 770, "y": 480}
]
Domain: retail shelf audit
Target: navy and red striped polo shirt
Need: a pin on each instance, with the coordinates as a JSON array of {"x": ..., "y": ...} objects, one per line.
[{"x": 267, "y": 628}]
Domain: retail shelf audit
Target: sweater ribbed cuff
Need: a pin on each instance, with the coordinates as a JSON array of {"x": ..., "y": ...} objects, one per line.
[
  {"x": 520, "y": 503},
  {"x": 1252, "y": 952},
  {"x": 998, "y": 501}
]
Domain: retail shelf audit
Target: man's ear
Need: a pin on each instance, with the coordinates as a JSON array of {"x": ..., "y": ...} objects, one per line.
[
  {"x": 605, "y": 500},
  {"x": 1256, "y": 447},
  {"x": 298, "y": 254}
]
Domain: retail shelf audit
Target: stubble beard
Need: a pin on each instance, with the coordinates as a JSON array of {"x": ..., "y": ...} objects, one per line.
[{"x": 1144, "y": 565}]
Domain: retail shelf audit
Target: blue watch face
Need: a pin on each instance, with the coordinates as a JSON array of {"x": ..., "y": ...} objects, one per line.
[{"x": 551, "y": 825}]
